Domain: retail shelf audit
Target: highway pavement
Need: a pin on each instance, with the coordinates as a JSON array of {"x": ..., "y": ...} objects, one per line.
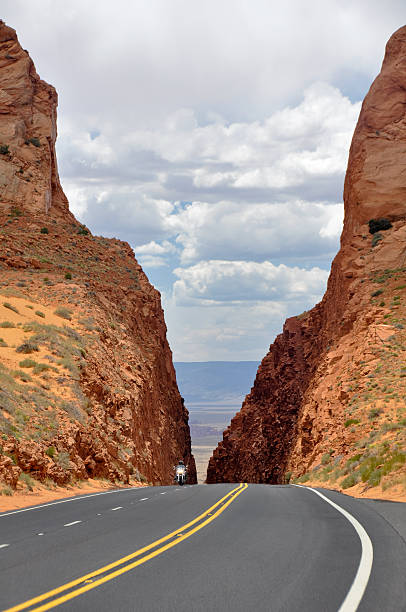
[{"x": 206, "y": 547}]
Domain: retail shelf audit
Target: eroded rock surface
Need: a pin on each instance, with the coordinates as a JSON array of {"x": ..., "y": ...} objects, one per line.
[
  {"x": 328, "y": 399},
  {"x": 87, "y": 384}
]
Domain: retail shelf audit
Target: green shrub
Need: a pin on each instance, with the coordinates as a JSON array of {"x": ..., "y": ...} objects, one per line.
[
  {"x": 10, "y": 307},
  {"x": 369, "y": 468},
  {"x": 64, "y": 313},
  {"x": 24, "y": 376},
  {"x": 27, "y": 480},
  {"x": 304, "y": 478},
  {"x": 35, "y": 141},
  {"x": 15, "y": 212},
  {"x": 40, "y": 314},
  {"x": 377, "y": 292},
  {"x": 375, "y": 478},
  {"x": 83, "y": 231},
  {"x": 288, "y": 476},
  {"x": 2, "y": 342},
  {"x": 374, "y": 413},
  {"x": 349, "y": 422},
  {"x": 27, "y": 347},
  {"x": 355, "y": 458},
  {"x": 376, "y": 239},
  {"x": 44, "y": 230},
  {"x": 50, "y": 451},
  {"x": 325, "y": 458},
  {"x": 41, "y": 367},
  {"x": 4, "y": 150},
  {"x": 68, "y": 276},
  {"x": 349, "y": 481},
  {"x": 376, "y": 225},
  {"x": 6, "y": 491},
  {"x": 6, "y": 324},
  {"x": 63, "y": 460},
  {"x": 393, "y": 462},
  {"x": 27, "y": 363}
]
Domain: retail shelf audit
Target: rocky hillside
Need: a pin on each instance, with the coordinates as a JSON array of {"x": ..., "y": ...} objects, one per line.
[
  {"x": 87, "y": 384},
  {"x": 328, "y": 404}
]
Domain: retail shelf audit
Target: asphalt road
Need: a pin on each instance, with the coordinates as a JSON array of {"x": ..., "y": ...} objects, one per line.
[{"x": 273, "y": 548}]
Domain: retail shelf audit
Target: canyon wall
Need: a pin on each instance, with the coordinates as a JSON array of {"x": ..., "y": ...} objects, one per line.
[
  {"x": 328, "y": 398},
  {"x": 87, "y": 384}
]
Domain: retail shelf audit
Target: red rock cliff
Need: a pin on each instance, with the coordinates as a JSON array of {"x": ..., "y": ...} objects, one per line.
[
  {"x": 321, "y": 395},
  {"x": 87, "y": 384},
  {"x": 28, "y": 129}
]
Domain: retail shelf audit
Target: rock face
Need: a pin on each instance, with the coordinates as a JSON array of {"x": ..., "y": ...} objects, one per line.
[
  {"x": 87, "y": 384},
  {"x": 28, "y": 168},
  {"x": 331, "y": 387}
]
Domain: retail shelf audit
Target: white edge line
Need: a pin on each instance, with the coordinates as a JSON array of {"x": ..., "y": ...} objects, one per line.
[
  {"x": 73, "y": 523},
  {"x": 117, "y": 508},
  {"x": 360, "y": 582},
  {"x": 4, "y": 545},
  {"x": 65, "y": 501},
  {"x": 144, "y": 499}
]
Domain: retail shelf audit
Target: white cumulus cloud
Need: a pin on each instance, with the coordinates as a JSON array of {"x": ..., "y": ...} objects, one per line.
[{"x": 216, "y": 282}]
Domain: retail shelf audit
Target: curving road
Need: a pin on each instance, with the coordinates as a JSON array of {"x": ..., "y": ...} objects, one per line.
[{"x": 205, "y": 547}]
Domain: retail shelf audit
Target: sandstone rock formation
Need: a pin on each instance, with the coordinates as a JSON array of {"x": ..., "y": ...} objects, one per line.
[
  {"x": 328, "y": 399},
  {"x": 28, "y": 168},
  {"x": 87, "y": 384}
]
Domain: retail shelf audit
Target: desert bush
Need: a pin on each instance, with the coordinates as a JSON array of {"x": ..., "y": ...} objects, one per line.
[
  {"x": 374, "y": 413},
  {"x": 40, "y": 314},
  {"x": 377, "y": 292},
  {"x": 69, "y": 364},
  {"x": 376, "y": 225},
  {"x": 50, "y": 451},
  {"x": 375, "y": 477},
  {"x": 73, "y": 409},
  {"x": 325, "y": 458},
  {"x": 27, "y": 363},
  {"x": 303, "y": 478},
  {"x": 4, "y": 150},
  {"x": 68, "y": 276},
  {"x": 64, "y": 313},
  {"x": 27, "y": 347},
  {"x": 44, "y": 230},
  {"x": 35, "y": 141},
  {"x": 349, "y": 422},
  {"x": 10, "y": 307},
  {"x": 15, "y": 212},
  {"x": 6, "y": 490},
  {"x": 376, "y": 239},
  {"x": 7, "y": 324},
  {"x": 24, "y": 376},
  {"x": 27, "y": 480},
  {"x": 63, "y": 460},
  {"x": 41, "y": 367},
  {"x": 394, "y": 462},
  {"x": 349, "y": 481}
]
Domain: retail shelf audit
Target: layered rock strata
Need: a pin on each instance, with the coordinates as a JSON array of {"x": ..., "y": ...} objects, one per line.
[
  {"x": 328, "y": 399},
  {"x": 87, "y": 384}
]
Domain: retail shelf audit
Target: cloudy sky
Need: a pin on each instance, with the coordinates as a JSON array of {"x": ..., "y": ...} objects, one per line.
[{"x": 213, "y": 137}]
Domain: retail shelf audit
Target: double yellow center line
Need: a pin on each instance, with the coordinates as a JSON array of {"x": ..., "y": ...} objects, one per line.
[{"x": 94, "y": 579}]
